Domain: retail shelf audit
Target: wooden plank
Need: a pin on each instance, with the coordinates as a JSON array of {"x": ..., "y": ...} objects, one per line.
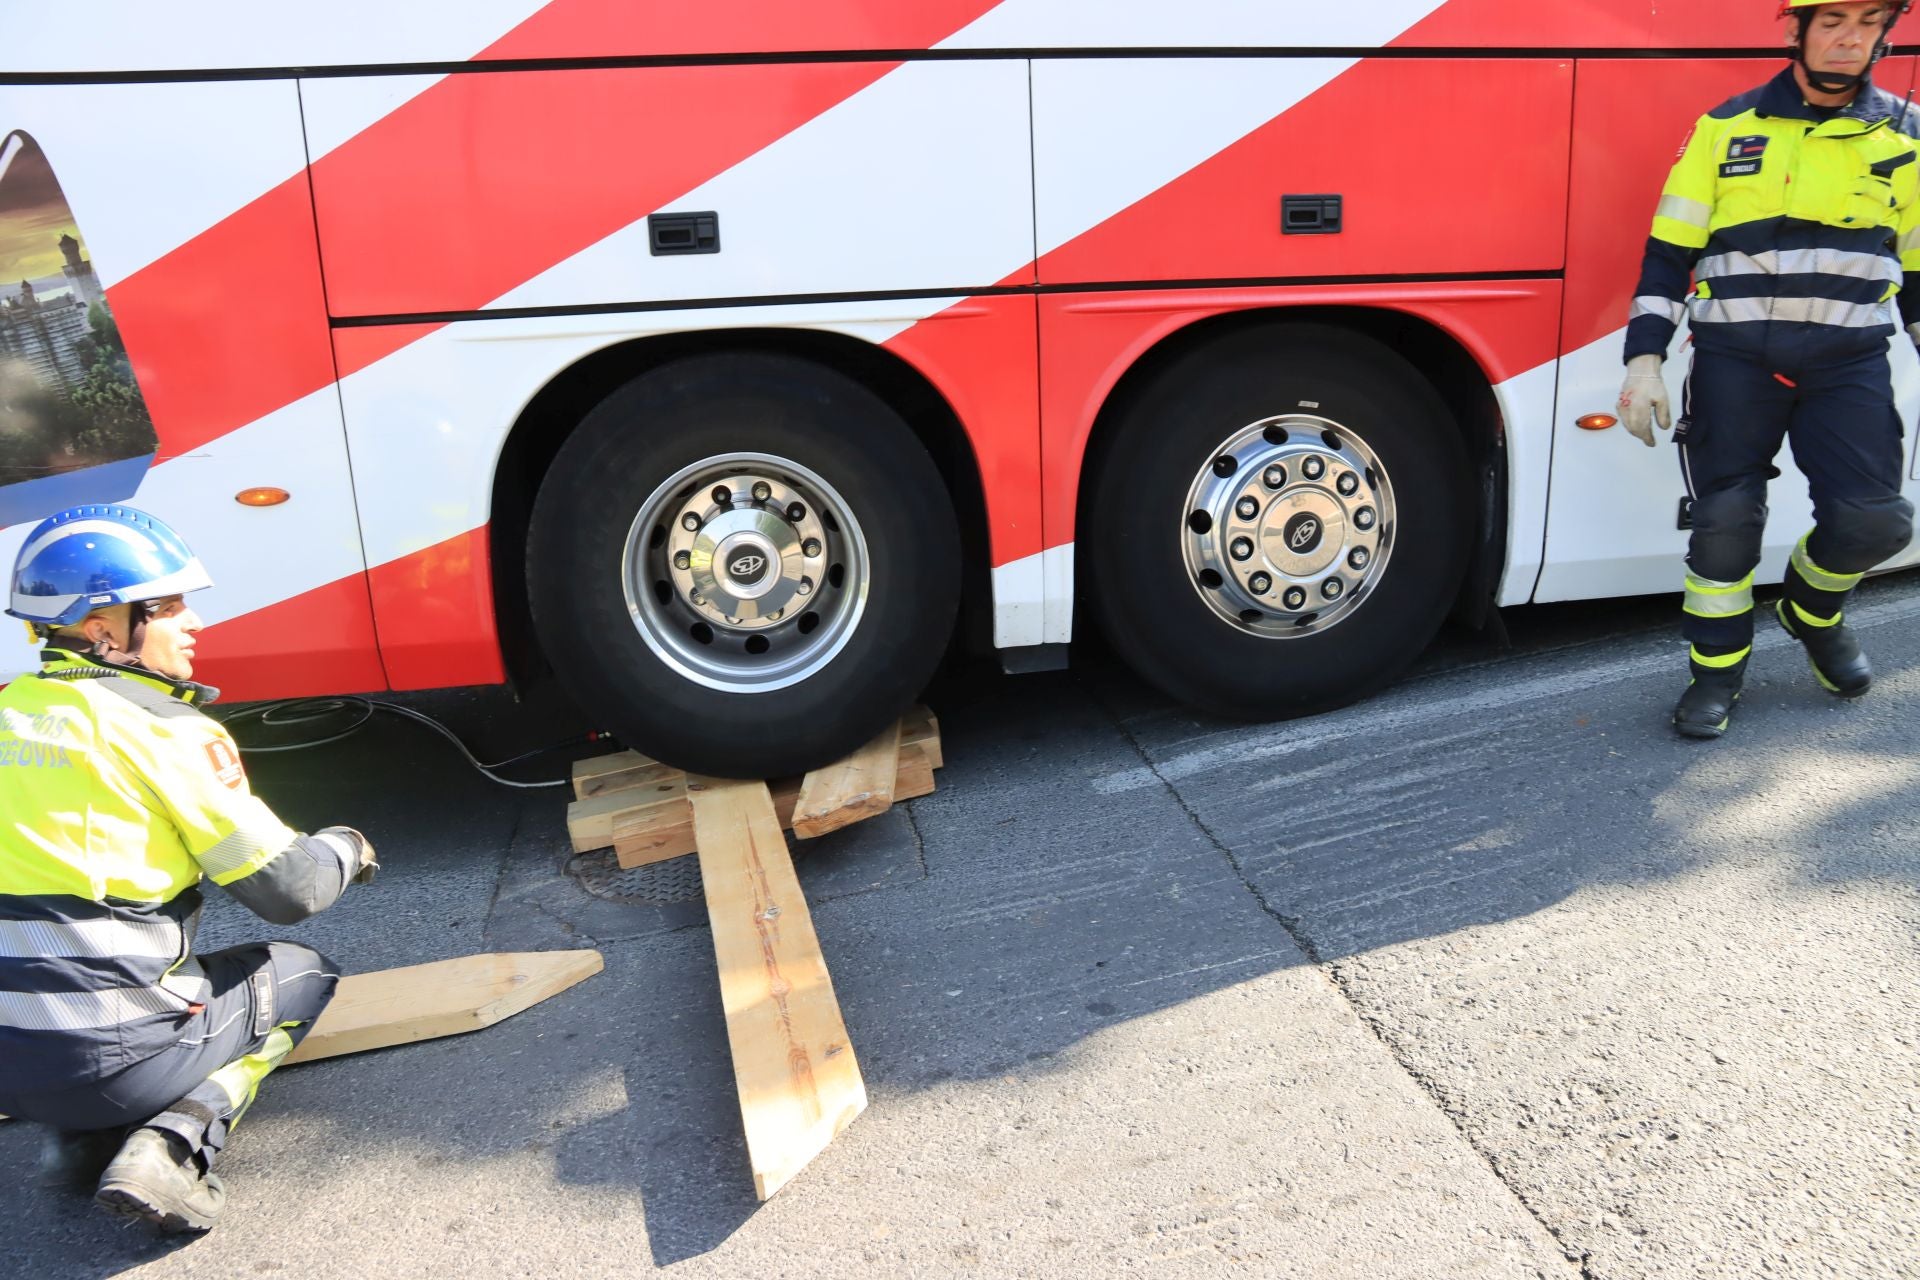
[
  {"x": 445, "y": 998},
  {"x": 654, "y": 833},
  {"x": 794, "y": 1068},
  {"x": 590, "y": 821},
  {"x": 600, "y": 774},
  {"x": 663, "y": 829},
  {"x": 922, "y": 726},
  {"x": 849, "y": 790}
]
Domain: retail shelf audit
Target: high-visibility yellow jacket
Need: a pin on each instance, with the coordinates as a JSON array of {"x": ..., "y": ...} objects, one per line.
[
  {"x": 1785, "y": 232},
  {"x": 117, "y": 795}
]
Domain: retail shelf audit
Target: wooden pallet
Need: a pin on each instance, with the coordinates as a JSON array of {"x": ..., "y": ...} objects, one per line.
[
  {"x": 798, "y": 1079},
  {"x": 640, "y": 807}
]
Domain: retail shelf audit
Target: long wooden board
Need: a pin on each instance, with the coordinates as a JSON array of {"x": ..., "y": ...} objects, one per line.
[
  {"x": 445, "y": 998},
  {"x": 799, "y": 1083},
  {"x": 849, "y": 790}
]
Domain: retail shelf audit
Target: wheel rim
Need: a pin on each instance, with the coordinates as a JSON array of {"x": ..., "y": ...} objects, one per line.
[
  {"x": 745, "y": 572},
  {"x": 1288, "y": 526}
]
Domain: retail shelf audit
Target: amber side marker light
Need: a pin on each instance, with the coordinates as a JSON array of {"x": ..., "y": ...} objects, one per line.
[
  {"x": 261, "y": 497},
  {"x": 1595, "y": 421}
]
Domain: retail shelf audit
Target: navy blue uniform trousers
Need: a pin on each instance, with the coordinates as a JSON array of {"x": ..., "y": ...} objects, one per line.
[
  {"x": 1846, "y": 437},
  {"x": 265, "y": 999}
]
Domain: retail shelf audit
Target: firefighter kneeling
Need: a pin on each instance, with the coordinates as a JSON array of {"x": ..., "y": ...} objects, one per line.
[
  {"x": 120, "y": 796},
  {"x": 1795, "y": 210}
]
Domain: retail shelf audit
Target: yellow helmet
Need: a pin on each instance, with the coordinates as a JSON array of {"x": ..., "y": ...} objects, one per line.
[{"x": 1788, "y": 6}]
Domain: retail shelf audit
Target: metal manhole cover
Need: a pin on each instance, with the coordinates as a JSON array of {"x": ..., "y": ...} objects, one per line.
[{"x": 676, "y": 880}]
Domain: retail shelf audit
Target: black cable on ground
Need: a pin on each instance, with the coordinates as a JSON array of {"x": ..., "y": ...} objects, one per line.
[{"x": 304, "y": 711}]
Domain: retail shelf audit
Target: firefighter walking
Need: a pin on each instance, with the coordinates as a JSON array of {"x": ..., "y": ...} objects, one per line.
[
  {"x": 119, "y": 797},
  {"x": 1785, "y": 233}
]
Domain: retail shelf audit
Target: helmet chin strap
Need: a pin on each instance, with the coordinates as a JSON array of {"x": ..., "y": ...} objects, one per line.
[{"x": 1830, "y": 82}]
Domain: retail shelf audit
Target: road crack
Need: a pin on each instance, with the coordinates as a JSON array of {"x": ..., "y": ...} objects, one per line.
[{"x": 1342, "y": 982}]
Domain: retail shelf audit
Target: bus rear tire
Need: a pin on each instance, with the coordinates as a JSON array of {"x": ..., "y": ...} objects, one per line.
[
  {"x": 1281, "y": 523},
  {"x": 743, "y": 565}
]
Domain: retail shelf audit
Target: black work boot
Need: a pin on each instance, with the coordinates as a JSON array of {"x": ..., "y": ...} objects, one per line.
[
  {"x": 73, "y": 1161},
  {"x": 156, "y": 1179},
  {"x": 1833, "y": 652},
  {"x": 1707, "y": 705}
]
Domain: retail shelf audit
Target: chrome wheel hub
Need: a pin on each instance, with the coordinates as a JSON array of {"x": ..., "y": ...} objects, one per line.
[
  {"x": 745, "y": 573},
  {"x": 1288, "y": 526}
]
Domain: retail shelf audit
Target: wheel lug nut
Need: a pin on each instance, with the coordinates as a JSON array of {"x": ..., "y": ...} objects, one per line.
[
  {"x": 1275, "y": 477},
  {"x": 1348, "y": 483},
  {"x": 805, "y": 588},
  {"x": 1363, "y": 518},
  {"x": 811, "y": 546},
  {"x": 1332, "y": 588},
  {"x": 696, "y": 597},
  {"x": 1242, "y": 548},
  {"x": 762, "y": 491},
  {"x": 722, "y": 495},
  {"x": 690, "y": 522},
  {"x": 681, "y": 559},
  {"x": 796, "y": 512},
  {"x": 1313, "y": 468},
  {"x": 1294, "y": 598},
  {"x": 1224, "y": 466},
  {"x": 1359, "y": 558},
  {"x": 1246, "y": 508},
  {"x": 1260, "y": 584}
]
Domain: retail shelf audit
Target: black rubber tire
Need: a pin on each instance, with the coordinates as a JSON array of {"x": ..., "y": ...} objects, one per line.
[
  {"x": 705, "y": 406},
  {"x": 1141, "y": 594}
]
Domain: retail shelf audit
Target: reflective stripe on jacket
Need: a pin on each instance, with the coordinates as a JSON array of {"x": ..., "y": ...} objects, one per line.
[
  {"x": 117, "y": 795},
  {"x": 1785, "y": 231}
]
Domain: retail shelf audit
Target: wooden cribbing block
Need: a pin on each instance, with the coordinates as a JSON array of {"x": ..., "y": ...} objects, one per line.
[
  {"x": 793, "y": 1065},
  {"x": 445, "y": 998},
  {"x": 849, "y": 790},
  {"x": 646, "y": 819},
  {"x": 618, "y": 770},
  {"x": 663, "y": 830},
  {"x": 597, "y": 775},
  {"x": 590, "y": 821}
]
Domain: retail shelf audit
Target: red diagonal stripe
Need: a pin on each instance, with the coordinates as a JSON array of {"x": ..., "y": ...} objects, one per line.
[{"x": 229, "y": 327}]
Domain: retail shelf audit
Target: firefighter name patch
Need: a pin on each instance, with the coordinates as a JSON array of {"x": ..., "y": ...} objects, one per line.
[
  {"x": 1743, "y": 156},
  {"x": 226, "y": 763}
]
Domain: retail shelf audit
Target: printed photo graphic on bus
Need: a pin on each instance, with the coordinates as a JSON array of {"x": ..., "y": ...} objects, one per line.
[{"x": 74, "y": 427}]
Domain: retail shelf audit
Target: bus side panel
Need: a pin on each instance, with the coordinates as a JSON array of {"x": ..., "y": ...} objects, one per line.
[
  {"x": 1614, "y": 527},
  {"x": 1508, "y": 327},
  {"x": 1598, "y": 24},
  {"x": 825, "y": 178},
  {"x": 191, "y": 203},
  {"x": 1442, "y": 166}
]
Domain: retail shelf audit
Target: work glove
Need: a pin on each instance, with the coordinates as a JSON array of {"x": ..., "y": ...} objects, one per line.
[
  {"x": 368, "y": 866},
  {"x": 1643, "y": 399}
]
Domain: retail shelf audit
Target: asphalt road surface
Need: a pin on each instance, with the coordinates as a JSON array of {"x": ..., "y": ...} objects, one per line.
[{"x": 1489, "y": 976}]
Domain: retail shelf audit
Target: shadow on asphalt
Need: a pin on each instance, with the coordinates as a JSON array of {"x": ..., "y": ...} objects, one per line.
[{"x": 1042, "y": 917}]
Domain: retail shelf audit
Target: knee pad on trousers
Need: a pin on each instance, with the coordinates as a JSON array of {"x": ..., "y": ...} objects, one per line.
[
  {"x": 304, "y": 981},
  {"x": 1727, "y": 528},
  {"x": 1859, "y": 534}
]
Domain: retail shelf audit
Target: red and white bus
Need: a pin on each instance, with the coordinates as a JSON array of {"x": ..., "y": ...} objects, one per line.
[{"x": 722, "y": 358}]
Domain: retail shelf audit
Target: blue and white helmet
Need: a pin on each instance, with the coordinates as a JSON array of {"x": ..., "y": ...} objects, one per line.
[{"x": 87, "y": 558}]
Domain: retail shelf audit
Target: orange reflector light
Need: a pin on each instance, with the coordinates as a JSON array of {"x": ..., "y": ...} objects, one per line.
[
  {"x": 265, "y": 496},
  {"x": 1595, "y": 421}
]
